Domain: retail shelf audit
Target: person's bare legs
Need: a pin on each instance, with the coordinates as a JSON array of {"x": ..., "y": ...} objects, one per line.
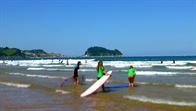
[
  {"x": 78, "y": 81},
  {"x": 131, "y": 81},
  {"x": 132, "y": 85}
]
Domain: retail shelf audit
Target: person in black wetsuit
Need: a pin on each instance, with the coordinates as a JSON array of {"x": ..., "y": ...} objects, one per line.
[{"x": 75, "y": 74}]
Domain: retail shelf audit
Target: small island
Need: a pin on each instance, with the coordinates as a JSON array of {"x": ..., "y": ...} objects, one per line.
[
  {"x": 101, "y": 51},
  {"x": 17, "y": 53}
]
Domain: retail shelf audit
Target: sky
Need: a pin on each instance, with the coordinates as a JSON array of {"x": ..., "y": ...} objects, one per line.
[{"x": 135, "y": 27}]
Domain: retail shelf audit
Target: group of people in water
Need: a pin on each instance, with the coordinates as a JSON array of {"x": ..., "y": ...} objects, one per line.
[{"x": 101, "y": 72}]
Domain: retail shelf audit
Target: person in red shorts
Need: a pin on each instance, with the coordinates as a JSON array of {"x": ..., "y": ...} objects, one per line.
[{"x": 131, "y": 76}]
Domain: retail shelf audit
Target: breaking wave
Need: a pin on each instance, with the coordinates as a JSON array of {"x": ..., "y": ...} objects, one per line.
[
  {"x": 38, "y": 76},
  {"x": 160, "y": 101},
  {"x": 16, "y": 84}
]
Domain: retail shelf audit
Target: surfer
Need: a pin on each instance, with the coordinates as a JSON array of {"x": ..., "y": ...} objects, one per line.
[
  {"x": 67, "y": 62},
  {"x": 131, "y": 76},
  {"x": 174, "y": 62},
  {"x": 75, "y": 74},
  {"x": 100, "y": 72}
]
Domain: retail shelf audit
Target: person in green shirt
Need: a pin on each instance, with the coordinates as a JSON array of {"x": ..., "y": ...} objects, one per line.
[
  {"x": 100, "y": 72},
  {"x": 131, "y": 75}
]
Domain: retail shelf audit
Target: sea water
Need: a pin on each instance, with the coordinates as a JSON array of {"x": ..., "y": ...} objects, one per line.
[{"x": 34, "y": 84}]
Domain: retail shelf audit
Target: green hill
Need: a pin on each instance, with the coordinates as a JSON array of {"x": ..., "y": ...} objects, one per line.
[
  {"x": 14, "y": 52},
  {"x": 10, "y": 52},
  {"x": 100, "y": 51}
]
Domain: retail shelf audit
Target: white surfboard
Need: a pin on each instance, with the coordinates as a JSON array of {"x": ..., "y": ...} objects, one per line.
[{"x": 97, "y": 84}]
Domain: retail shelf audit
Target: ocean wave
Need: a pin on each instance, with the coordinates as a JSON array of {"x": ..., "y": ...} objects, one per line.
[
  {"x": 16, "y": 84},
  {"x": 190, "y": 64},
  {"x": 147, "y": 64},
  {"x": 38, "y": 76},
  {"x": 193, "y": 68},
  {"x": 154, "y": 73},
  {"x": 185, "y": 86},
  {"x": 126, "y": 64},
  {"x": 48, "y": 69},
  {"x": 151, "y": 73},
  {"x": 83, "y": 70},
  {"x": 167, "y": 85},
  {"x": 36, "y": 68},
  {"x": 143, "y": 66},
  {"x": 160, "y": 101},
  {"x": 159, "y": 66},
  {"x": 154, "y": 84},
  {"x": 179, "y": 67},
  {"x": 52, "y": 65},
  {"x": 46, "y": 62},
  {"x": 26, "y": 65},
  {"x": 58, "y": 69}
]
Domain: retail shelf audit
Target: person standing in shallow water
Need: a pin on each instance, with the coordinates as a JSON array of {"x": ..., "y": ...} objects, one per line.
[
  {"x": 101, "y": 71},
  {"x": 131, "y": 76},
  {"x": 75, "y": 74}
]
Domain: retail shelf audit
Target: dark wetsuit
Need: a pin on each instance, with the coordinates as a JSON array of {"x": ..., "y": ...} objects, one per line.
[{"x": 76, "y": 72}]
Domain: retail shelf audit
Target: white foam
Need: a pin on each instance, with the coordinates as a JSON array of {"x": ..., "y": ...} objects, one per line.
[
  {"x": 54, "y": 63},
  {"x": 151, "y": 73},
  {"x": 48, "y": 69},
  {"x": 15, "y": 84},
  {"x": 155, "y": 84},
  {"x": 61, "y": 91},
  {"x": 32, "y": 65},
  {"x": 160, "y": 101},
  {"x": 193, "y": 68},
  {"x": 185, "y": 86},
  {"x": 126, "y": 64},
  {"x": 143, "y": 66},
  {"x": 57, "y": 69},
  {"x": 90, "y": 80},
  {"x": 32, "y": 68},
  {"x": 83, "y": 70},
  {"x": 70, "y": 66},
  {"x": 179, "y": 67},
  {"x": 38, "y": 76},
  {"x": 57, "y": 65},
  {"x": 171, "y": 85},
  {"x": 143, "y": 83},
  {"x": 32, "y": 62},
  {"x": 1, "y": 62},
  {"x": 154, "y": 73}
]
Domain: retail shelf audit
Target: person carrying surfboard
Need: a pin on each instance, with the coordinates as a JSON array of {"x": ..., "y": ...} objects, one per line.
[
  {"x": 100, "y": 72},
  {"x": 131, "y": 76},
  {"x": 75, "y": 74}
]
